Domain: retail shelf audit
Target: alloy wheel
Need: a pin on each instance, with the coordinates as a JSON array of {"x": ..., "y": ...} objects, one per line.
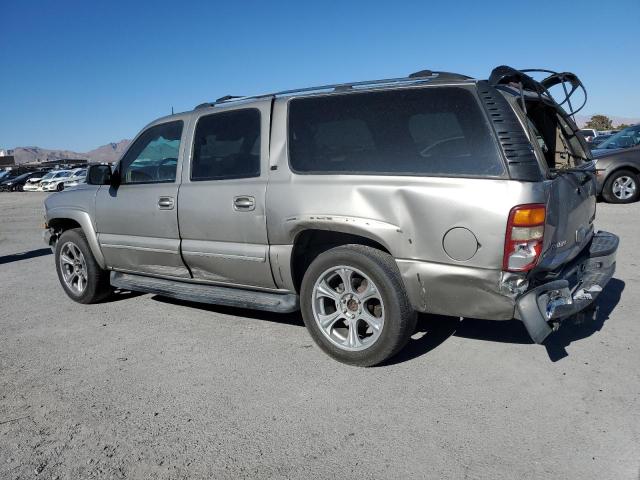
[
  {"x": 73, "y": 267},
  {"x": 348, "y": 308},
  {"x": 624, "y": 187}
]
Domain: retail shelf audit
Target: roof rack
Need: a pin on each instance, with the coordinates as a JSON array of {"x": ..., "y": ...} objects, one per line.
[{"x": 416, "y": 77}]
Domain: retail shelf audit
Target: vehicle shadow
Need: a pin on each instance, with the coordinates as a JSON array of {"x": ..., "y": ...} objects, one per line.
[
  {"x": 573, "y": 330},
  {"x": 16, "y": 257},
  {"x": 433, "y": 330},
  {"x": 119, "y": 295},
  {"x": 294, "y": 318}
]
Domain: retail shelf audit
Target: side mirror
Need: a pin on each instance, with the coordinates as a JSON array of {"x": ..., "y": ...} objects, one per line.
[{"x": 99, "y": 175}]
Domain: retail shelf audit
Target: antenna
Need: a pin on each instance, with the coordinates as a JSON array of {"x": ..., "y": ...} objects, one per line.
[{"x": 171, "y": 109}]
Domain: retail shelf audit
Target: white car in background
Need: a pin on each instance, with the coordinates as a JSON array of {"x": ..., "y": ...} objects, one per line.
[
  {"x": 33, "y": 183},
  {"x": 78, "y": 176},
  {"x": 55, "y": 182}
]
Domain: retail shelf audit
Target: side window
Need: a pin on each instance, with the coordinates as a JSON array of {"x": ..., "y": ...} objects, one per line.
[
  {"x": 153, "y": 158},
  {"x": 227, "y": 145},
  {"x": 418, "y": 131}
]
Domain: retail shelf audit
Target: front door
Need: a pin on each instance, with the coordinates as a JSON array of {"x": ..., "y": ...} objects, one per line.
[
  {"x": 221, "y": 208},
  {"x": 137, "y": 222}
]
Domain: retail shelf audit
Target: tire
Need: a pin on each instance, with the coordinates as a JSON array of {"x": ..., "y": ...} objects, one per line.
[
  {"x": 95, "y": 286},
  {"x": 351, "y": 313},
  {"x": 622, "y": 186},
  {"x": 60, "y": 187}
]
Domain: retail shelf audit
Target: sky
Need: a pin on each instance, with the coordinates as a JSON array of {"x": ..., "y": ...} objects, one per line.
[{"x": 79, "y": 74}]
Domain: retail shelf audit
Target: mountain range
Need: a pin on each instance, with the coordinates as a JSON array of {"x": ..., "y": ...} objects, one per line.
[
  {"x": 106, "y": 153},
  {"x": 581, "y": 120}
]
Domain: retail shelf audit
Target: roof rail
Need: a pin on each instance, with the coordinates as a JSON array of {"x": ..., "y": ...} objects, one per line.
[{"x": 416, "y": 77}]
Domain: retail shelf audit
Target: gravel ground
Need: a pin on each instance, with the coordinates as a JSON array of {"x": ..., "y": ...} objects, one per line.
[{"x": 145, "y": 387}]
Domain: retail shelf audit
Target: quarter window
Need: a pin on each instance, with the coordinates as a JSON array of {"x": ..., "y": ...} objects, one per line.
[
  {"x": 425, "y": 131},
  {"x": 227, "y": 145},
  {"x": 153, "y": 158}
]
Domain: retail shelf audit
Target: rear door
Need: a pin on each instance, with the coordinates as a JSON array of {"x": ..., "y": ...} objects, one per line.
[
  {"x": 221, "y": 208},
  {"x": 137, "y": 222}
]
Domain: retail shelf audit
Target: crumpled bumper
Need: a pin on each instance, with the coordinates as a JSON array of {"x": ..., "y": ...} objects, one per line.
[{"x": 575, "y": 288}]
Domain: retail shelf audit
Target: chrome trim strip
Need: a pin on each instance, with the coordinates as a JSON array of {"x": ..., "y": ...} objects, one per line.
[
  {"x": 226, "y": 255},
  {"x": 145, "y": 249}
]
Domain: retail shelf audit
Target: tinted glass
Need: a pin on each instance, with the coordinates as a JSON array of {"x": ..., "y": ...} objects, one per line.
[
  {"x": 429, "y": 131},
  {"x": 227, "y": 145},
  {"x": 153, "y": 158}
]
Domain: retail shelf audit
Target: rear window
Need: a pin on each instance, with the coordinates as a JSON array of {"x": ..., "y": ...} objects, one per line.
[{"x": 430, "y": 131}]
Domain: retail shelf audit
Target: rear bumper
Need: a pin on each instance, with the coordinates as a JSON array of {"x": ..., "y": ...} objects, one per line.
[{"x": 575, "y": 288}]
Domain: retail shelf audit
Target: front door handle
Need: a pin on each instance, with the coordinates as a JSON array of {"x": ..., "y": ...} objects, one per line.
[
  {"x": 166, "y": 203},
  {"x": 244, "y": 203}
]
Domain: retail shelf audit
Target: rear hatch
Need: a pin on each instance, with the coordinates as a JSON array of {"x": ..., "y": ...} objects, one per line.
[
  {"x": 570, "y": 184},
  {"x": 563, "y": 156}
]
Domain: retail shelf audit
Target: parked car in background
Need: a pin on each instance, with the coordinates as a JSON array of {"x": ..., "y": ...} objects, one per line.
[
  {"x": 588, "y": 134},
  {"x": 598, "y": 140},
  {"x": 46, "y": 177},
  {"x": 361, "y": 206},
  {"x": 77, "y": 177},
  {"x": 33, "y": 182},
  {"x": 618, "y": 166},
  {"x": 16, "y": 184},
  {"x": 55, "y": 182}
]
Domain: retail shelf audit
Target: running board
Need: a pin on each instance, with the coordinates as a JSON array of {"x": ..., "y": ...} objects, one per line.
[{"x": 195, "y": 292}]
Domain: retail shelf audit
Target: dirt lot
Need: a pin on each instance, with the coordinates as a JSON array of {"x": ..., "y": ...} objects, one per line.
[{"x": 144, "y": 387}]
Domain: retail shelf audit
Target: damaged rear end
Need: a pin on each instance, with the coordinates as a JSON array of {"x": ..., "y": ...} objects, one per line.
[{"x": 556, "y": 263}]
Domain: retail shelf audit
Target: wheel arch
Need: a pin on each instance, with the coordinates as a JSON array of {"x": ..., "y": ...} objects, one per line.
[
  {"x": 64, "y": 219},
  {"x": 311, "y": 242},
  {"x": 626, "y": 166}
]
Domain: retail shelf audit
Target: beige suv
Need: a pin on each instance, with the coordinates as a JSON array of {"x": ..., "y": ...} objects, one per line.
[{"x": 361, "y": 204}]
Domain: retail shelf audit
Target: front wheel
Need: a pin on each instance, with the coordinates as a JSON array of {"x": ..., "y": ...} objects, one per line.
[
  {"x": 621, "y": 187},
  {"x": 80, "y": 275},
  {"x": 60, "y": 187},
  {"x": 355, "y": 306}
]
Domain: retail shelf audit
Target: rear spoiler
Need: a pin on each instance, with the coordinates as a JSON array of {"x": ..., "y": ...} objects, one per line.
[{"x": 504, "y": 75}]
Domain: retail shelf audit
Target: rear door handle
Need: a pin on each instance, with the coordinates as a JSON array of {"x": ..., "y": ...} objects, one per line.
[
  {"x": 244, "y": 203},
  {"x": 166, "y": 203}
]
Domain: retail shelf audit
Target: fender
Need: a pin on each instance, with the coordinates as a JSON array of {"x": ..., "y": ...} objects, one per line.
[
  {"x": 386, "y": 234},
  {"x": 84, "y": 220}
]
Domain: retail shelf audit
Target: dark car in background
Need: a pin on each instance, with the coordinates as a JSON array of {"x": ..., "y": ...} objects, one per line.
[
  {"x": 598, "y": 140},
  {"x": 618, "y": 166},
  {"x": 16, "y": 183}
]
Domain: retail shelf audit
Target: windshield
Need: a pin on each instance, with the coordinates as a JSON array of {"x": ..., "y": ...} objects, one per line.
[
  {"x": 62, "y": 174},
  {"x": 629, "y": 137},
  {"x": 48, "y": 176},
  {"x": 24, "y": 175}
]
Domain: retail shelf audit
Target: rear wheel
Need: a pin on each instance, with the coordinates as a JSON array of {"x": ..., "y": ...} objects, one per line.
[
  {"x": 80, "y": 275},
  {"x": 355, "y": 306},
  {"x": 621, "y": 187}
]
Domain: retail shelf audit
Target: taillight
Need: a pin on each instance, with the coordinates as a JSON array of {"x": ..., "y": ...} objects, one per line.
[{"x": 525, "y": 232}]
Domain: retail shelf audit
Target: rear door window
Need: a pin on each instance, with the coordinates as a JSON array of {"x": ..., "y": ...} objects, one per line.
[
  {"x": 227, "y": 145},
  {"x": 429, "y": 131}
]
